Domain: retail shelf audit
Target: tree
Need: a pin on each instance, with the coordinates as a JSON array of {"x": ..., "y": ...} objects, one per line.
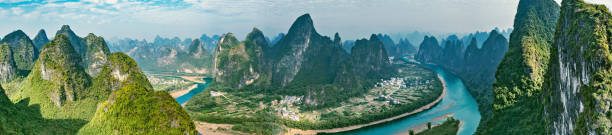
[
  {"x": 428, "y": 125},
  {"x": 411, "y": 132}
]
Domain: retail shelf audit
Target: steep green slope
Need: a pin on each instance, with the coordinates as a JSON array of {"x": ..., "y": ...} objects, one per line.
[
  {"x": 370, "y": 58},
  {"x": 96, "y": 54},
  {"x": 135, "y": 108},
  {"x": 58, "y": 83},
  {"x": 59, "y": 65},
  {"x": 517, "y": 107},
  {"x": 22, "y": 118},
  {"x": 580, "y": 78},
  {"x": 24, "y": 52},
  {"x": 8, "y": 69},
  {"x": 59, "y": 97},
  {"x": 239, "y": 63}
]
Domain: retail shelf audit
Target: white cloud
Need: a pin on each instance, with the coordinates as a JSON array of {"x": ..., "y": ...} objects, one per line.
[
  {"x": 352, "y": 18},
  {"x": 13, "y": 1},
  {"x": 17, "y": 10}
]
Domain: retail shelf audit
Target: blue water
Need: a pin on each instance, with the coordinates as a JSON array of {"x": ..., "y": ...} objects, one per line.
[
  {"x": 463, "y": 106},
  {"x": 201, "y": 87}
]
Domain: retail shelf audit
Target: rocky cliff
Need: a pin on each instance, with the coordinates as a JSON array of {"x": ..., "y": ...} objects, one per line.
[
  {"x": 520, "y": 75},
  {"x": 292, "y": 49},
  {"x": 579, "y": 80},
  {"x": 238, "y": 64},
  {"x": 96, "y": 54},
  {"x": 60, "y": 64},
  {"x": 8, "y": 69},
  {"x": 24, "y": 52},
  {"x": 369, "y": 57}
]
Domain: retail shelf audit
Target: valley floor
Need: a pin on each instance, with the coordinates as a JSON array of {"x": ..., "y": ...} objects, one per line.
[
  {"x": 343, "y": 129},
  {"x": 414, "y": 90}
]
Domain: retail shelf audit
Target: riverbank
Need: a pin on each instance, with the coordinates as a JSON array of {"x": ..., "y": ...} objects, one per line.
[
  {"x": 197, "y": 79},
  {"x": 292, "y": 131},
  {"x": 178, "y": 93},
  {"x": 423, "y": 127}
]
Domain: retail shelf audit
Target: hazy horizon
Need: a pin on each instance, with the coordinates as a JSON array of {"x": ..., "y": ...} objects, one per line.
[{"x": 192, "y": 18}]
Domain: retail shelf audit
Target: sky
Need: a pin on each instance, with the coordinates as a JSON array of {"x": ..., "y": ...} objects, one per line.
[{"x": 352, "y": 19}]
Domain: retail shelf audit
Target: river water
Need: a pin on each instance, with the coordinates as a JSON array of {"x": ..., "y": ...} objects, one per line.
[
  {"x": 457, "y": 101},
  {"x": 201, "y": 87}
]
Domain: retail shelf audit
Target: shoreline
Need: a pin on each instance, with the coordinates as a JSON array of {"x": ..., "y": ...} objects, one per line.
[
  {"x": 197, "y": 79},
  {"x": 423, "y": 126},
  {"x": 349, "y": 128},
  {"x": 179, "y": 93}
]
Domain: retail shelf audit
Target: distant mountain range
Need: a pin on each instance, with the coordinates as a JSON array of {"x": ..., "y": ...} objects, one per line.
[
  {"x": 475, "y": 65},
  {"x": 170, "y": 55}
]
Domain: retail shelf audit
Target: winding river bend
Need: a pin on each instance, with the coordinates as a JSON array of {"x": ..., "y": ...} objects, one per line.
[
  {"x": 201, "y": 87},
  {"x": 457, "y": 101}
]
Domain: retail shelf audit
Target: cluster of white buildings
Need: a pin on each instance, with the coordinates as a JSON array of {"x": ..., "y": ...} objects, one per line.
[
  {"x": 155, "y": 80},
  {"x": 288, "y": 114},
  {"x": 389, "y": 99},
  {"x": 289, "y": 101},
  {"x": 393, "y": 82}
]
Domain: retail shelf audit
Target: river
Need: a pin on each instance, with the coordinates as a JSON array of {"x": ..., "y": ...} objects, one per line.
[
  {"x": 201, "y": 87},
  {"x": 457, "y": 101}
]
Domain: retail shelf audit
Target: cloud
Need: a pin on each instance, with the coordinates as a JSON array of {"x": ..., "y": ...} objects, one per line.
[
  {"x": 17, "y": 10},
  {"x": 13, "y": 1},
  {"x": 191, "y": 18}
]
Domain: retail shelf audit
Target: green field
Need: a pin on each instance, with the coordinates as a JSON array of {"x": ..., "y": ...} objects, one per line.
[{"x": 414, "y": 86}]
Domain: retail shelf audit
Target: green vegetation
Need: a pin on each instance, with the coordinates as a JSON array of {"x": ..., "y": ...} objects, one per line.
[
  {"x": 583, "y": 40},
  {"x": 24, "y": 52},
  {"x": 168, "y": 83},
  {"x": 248, "y": 109},
  {"x": 23, "y": 118},
  {"x": 520, "y": 76},
  {"x": 95, "y": 54},
  {"x": 237, "y": 63},
  {"x": 59, "y": 97},
  {"x": 308, "y": 81},
  {"x": 58, "y": 84},
  {"x": 8, "y": 69},
  {"x": 475, "y": 66},
  {"x": 135, "y": 108},
  {"x": 449, "y": 127}
]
